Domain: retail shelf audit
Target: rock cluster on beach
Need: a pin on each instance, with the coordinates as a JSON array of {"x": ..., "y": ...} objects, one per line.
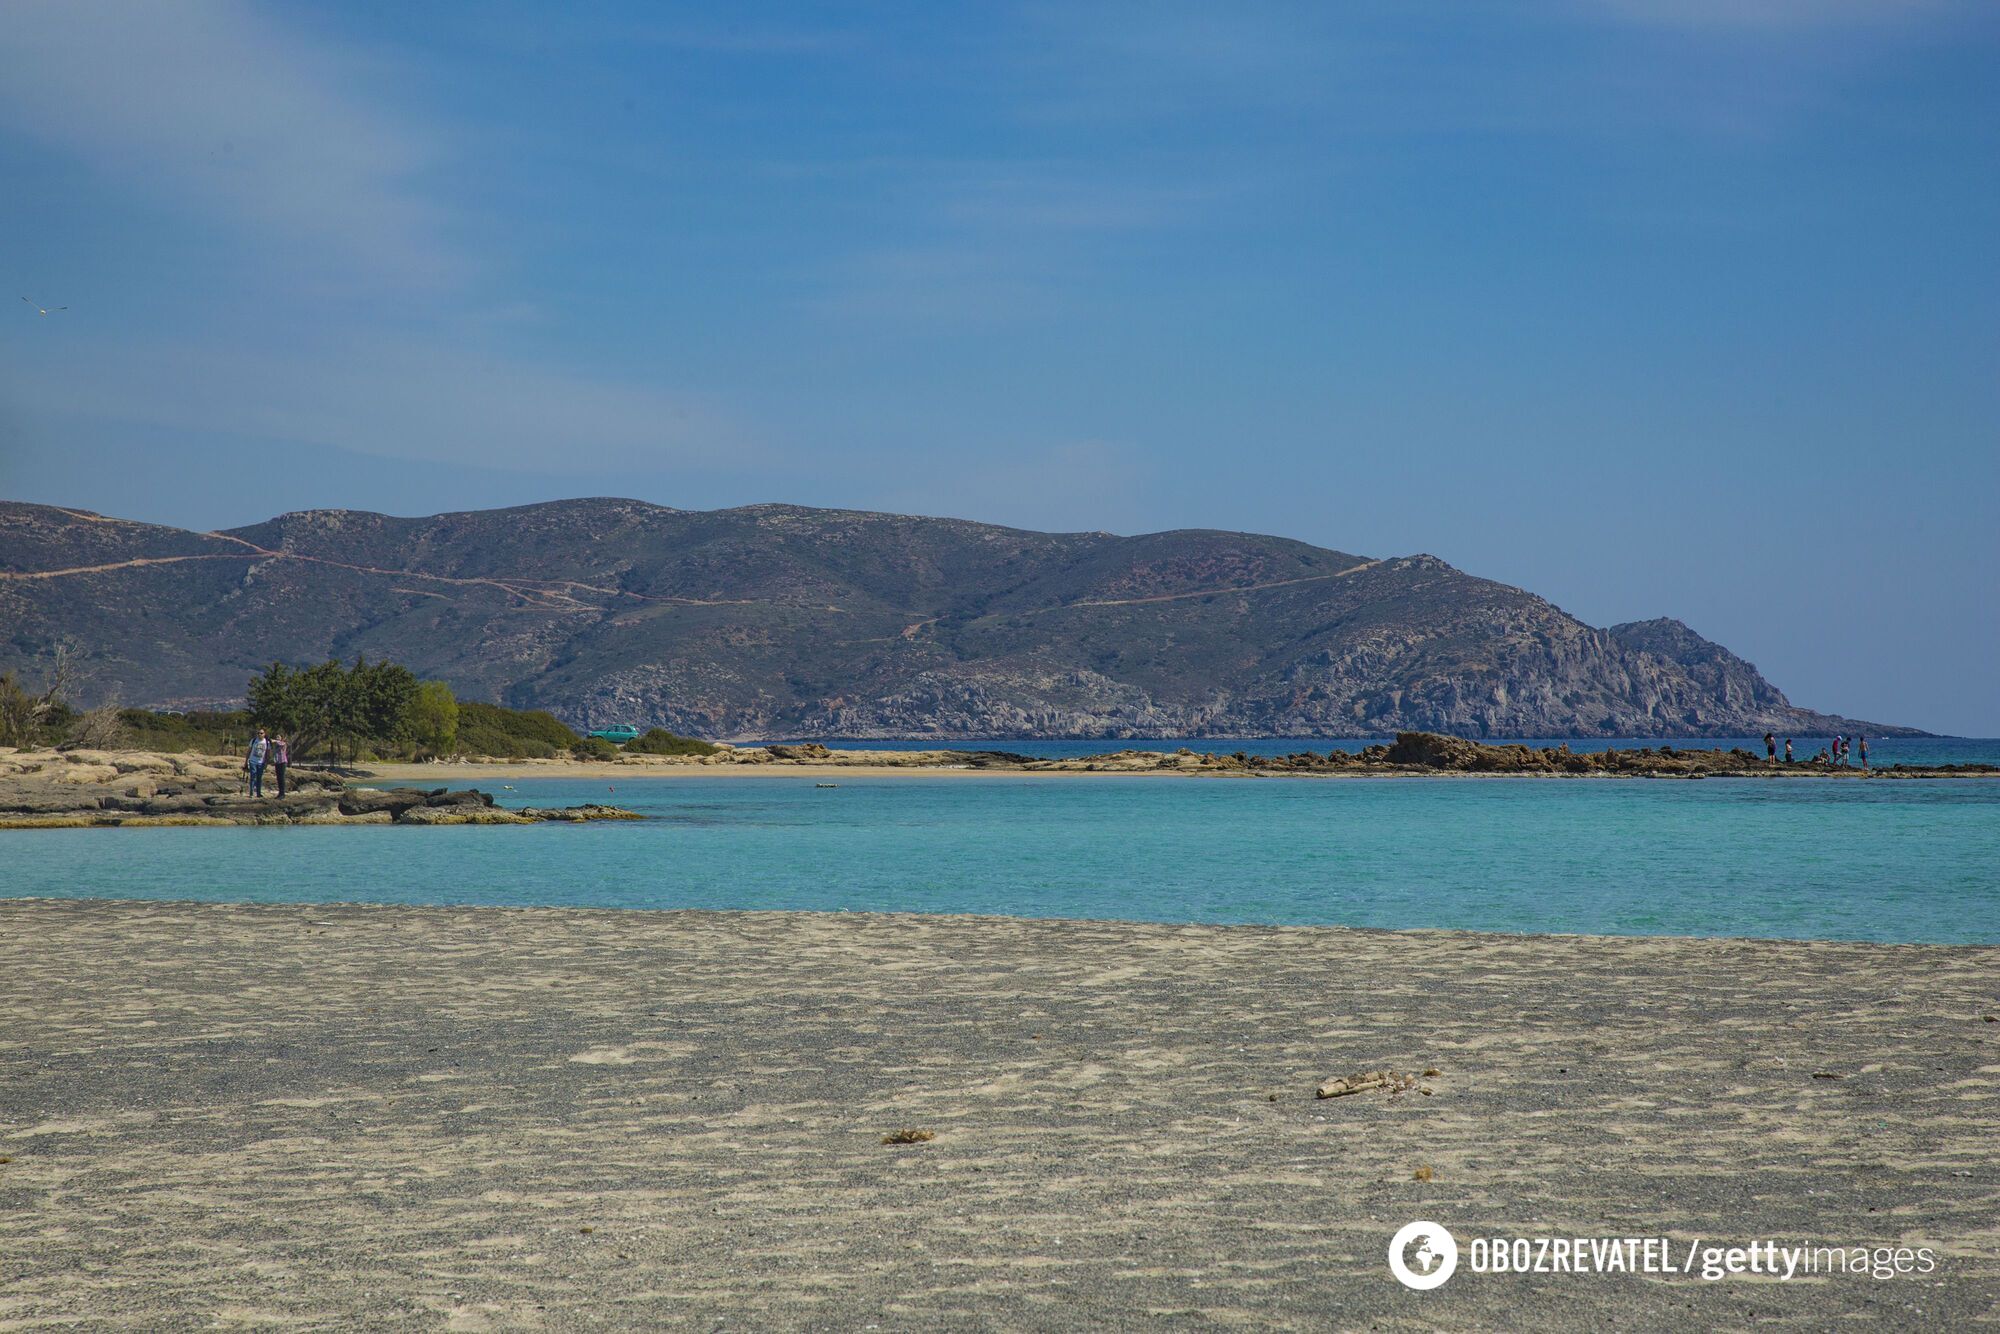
[{"x": 81, "y": 788}]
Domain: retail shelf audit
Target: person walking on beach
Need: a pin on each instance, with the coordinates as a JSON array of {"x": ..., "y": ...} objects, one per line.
[
  {"x": 279, "y": 757},
  {"x": 1788, "y": 750},
  {"x": 260, "y": 752},
  {"x": 1770, "y": 748},
  {"x": 1864, "y": 752},
  {"x": 1839, "y": 748}
]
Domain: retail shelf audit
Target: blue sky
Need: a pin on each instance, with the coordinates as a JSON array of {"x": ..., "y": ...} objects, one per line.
[{"x": 1655, "y": 307}]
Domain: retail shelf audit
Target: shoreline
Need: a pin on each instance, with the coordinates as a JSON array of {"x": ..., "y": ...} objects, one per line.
[
  {"x": 621, "y": 771},
  {"x": 357, "y": 1114},
  {"x": 1413, "y": 754},
  {"x": 1001, "y": 919},
  {"x": 84, "y": 788}
]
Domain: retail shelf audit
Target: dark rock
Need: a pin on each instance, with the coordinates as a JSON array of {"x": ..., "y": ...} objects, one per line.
[
  {"x": 578, "y": 814},
  {"x": 471, "y": 797},
  {"x": 811, "y": 750},
  {"x": 395, "y": 800},
  {"x": 50, "y": 805}
]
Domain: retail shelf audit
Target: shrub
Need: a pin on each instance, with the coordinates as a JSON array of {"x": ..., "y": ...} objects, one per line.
[
  {"x": 20, "y": 720},
  {"x": 659, "y": 741},
  {"x": 206, "y": 732},
  {"x": 432, "y": 724},
  {"x": 594, "y": 748},
  {"x": 29, "y": 719},
  {"x": 102, "y": 728},
  {"x": 513, "y": 734}
]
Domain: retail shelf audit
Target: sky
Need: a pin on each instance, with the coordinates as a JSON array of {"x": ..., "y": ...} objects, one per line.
[{"x": 1654, "y": 307}]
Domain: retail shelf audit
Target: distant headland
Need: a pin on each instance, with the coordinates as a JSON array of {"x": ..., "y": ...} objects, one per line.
[{"x": 778, "y": 620}]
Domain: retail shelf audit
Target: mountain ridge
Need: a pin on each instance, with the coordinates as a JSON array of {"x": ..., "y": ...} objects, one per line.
[{"x": 784, "y": 620}]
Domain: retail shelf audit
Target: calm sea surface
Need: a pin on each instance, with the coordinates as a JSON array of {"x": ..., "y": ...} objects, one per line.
[{"x": 1812, "y": 858}]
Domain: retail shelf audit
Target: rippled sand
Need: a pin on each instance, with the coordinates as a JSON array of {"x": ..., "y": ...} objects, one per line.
[{"x": 484, "y": 1117}]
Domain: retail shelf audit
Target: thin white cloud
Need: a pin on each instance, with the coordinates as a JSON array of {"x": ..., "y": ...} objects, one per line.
[
  {"x": 1154, "y": 59},
  {"x": 205, "y": 104},
  {"x": 1105, "y": 484},
  {"x": 382, "y": 336},
  {"x": 955, "y": 284},
  {"x": 741, "y": 38},
  {"x": 1026, "y": 200},
  {"x": 1754, "y": 15},
  {"x": 981, "y": 244},
  {"x": 397, "y": 398}
]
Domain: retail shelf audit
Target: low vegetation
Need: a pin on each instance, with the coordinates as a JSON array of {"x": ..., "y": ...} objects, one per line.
[
  {"x": 659, "y": 741},
  {"x": 362, "y": 711},
  {"x": 512, "y": 734},
  {"x": 203, "y": 732},
  {"x": 39, "y": 714}
]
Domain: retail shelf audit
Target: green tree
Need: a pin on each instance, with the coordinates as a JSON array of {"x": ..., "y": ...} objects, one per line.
[
  {"x": 277, "y": 702},
  {"x": 333, "y": 707},
  {"x": 308, "y": 707},
  {"x": 382, "y": 697},
  {"x": 432, "y": 725}
]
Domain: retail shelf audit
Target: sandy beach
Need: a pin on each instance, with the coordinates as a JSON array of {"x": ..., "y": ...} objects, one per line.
[{"x": 481, "y": 1117}]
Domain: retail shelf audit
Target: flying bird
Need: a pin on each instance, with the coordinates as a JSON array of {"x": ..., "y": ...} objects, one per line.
[{"x": 43, "y": 310}]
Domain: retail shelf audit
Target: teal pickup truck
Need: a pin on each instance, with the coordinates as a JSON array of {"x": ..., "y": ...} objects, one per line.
[{"x": 617, "y": 736}]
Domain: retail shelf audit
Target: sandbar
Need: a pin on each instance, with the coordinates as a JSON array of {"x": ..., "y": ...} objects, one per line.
[{"x": 482, "y": 1117}]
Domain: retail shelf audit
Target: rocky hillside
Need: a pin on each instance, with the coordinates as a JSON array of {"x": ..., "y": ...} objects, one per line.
[{"x": 774, "y": 620}]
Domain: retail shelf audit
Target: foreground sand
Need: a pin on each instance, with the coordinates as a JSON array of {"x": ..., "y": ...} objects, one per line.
[{"x": 340, "y": 1115}]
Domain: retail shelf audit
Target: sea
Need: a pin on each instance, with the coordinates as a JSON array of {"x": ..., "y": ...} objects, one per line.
[{"x": 1810, "y": 858}]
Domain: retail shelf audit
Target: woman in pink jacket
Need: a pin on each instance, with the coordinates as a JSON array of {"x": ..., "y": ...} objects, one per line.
[{"x": 280, "y": 758}]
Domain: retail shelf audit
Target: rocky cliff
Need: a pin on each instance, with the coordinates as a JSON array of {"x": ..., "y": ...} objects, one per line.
[{"x": 774, "y": 620}]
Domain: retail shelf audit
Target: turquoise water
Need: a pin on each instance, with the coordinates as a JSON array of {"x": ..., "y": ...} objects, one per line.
[{"x": 1808, "y": 858}]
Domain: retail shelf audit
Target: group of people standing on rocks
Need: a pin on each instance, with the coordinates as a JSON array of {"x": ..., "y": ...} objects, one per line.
[
  {"x": 1840, "y": 752},
  {"x": 271, "y": 752}
]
